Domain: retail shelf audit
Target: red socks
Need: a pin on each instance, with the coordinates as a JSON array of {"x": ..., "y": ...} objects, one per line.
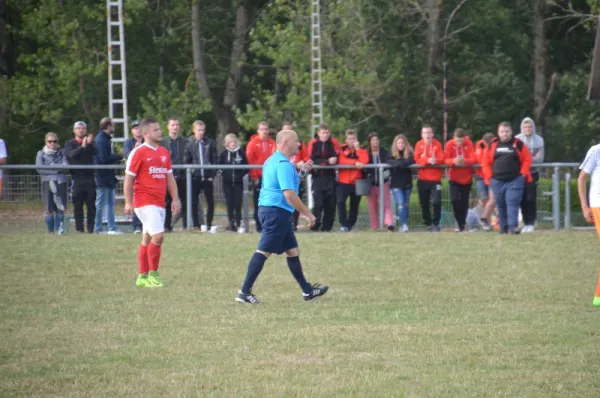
[
  {"x": 143, "y": 259},
  {"x": 153, "y": 256}
]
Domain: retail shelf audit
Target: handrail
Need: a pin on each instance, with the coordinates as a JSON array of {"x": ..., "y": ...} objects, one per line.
[{"x": 243, "y": 166}]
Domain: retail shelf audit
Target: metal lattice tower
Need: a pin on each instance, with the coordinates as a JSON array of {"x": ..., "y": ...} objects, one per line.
[
  {"x": 315, "y": 54},
  {"x": 117, "y": 76}
]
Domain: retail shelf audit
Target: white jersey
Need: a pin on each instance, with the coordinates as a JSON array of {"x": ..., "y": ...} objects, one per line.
[{"x": 591, "y": 165}]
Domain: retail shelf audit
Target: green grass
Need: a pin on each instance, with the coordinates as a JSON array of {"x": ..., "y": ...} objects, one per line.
[{"x": 406, "y": 315}]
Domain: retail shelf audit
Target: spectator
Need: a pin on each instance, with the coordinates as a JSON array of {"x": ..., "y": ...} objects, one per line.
[
  {"x": 106, "y": 182},
  {"x": 202, "y": 151},
  {"x": 459, "y": 154},
  {"x": 400, "y": 159},
  {"x": 54, "y": 183},
  {"x": 233, "y": 181},
  {"x": 3, "y": 157},
  {"x": 134, "y": 141},
  {"x": 428, "y": 152},
  {"x": 535, "y": 145},
  {"x": 484, "y": 195},
  {"x": 301, "y": 160},
  {"x": 323, "y": 152},
  {"x": 377, "y": 155},
  {"x": 258, "y": 150},
  {"x": 176, "y": 145},
  {"x": 506, "y": 166},
  {"x": 80, "y": 151},
  {"x": 350, "y": 154}
]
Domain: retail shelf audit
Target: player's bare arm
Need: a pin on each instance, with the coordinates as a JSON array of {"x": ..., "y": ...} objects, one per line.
[
  {"x": 582, "y": 190},
  {"x": 172, "y": 188},
  {"x": 128, "y": 193},
  {"x": 294, "y": 200}
]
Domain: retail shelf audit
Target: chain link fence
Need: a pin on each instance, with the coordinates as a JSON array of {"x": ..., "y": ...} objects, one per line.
[{"x": 21, "y": 208}]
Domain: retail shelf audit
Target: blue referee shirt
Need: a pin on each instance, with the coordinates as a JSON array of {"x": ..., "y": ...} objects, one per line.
[{"x": 278, "y": 174}]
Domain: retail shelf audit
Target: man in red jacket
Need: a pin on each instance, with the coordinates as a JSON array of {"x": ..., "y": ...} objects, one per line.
[
  {"x": 459, "y": 154},
  {"x": 350, "y": 154},
  {"x": 258, "y": 150},
  {"x": 428, "y": 152},
  {"x": 507, "y": 168}
]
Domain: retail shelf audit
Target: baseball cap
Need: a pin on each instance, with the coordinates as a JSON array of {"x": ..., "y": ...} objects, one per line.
[
  {"x": 80, "y": 123},
  {"x": 135, "y": 123}
]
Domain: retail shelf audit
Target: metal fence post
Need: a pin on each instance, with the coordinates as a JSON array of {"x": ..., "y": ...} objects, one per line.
[
  {"x": 246, "y": 203},
  {"x": 309, "y": 195},
  {"x": 188, "y": 198},
  {"x": 567, "y": 200},
  {"x": 556, "y": 198},
  {"x": 381, "y": 197}
]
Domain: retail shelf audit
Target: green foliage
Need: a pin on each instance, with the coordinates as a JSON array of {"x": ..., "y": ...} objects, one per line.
[{"x": 169, "y": 101}]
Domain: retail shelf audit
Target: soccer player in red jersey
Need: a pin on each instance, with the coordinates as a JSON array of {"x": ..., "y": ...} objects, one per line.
[{"x": 148, "y": 176}]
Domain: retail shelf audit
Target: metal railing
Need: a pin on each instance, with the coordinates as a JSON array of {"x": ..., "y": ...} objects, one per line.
[{"x": 549, "y": 194}]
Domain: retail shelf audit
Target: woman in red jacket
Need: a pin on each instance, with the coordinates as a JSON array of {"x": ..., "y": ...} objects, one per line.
[{"x": 506, "y": 166}]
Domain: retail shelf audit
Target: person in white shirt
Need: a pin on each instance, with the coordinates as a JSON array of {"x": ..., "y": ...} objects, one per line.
[
  {"x": 2, "y": 160},
  {"x": 590, "y": 167}
]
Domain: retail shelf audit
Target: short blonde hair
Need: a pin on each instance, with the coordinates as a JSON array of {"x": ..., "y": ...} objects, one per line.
[
  {"x": 230, "y": 137},
  {"x": 198, "y": 123}
]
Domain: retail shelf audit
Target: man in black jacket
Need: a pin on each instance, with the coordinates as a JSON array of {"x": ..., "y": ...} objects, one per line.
[
  {"x": 176, "y": 146},
  {"x": 202, "y": 151},
  {"x": 324, "y": 152},
  {"x": 106, "y": 182},
  {"x": 80, "y": 151}
]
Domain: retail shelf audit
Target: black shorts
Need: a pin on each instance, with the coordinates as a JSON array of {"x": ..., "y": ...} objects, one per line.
[{"x": 277, "y": 234}]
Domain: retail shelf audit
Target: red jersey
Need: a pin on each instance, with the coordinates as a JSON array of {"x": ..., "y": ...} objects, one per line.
[{"x": 150, "y": 167}]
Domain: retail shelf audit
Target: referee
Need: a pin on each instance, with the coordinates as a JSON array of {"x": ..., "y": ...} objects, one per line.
[{"x": 276, "y": 204}]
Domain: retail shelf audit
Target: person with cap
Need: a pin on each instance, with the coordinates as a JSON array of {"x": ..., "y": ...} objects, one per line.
[
  {"x": 134, "y": 141},
  {"x": 80, "y": 151}
]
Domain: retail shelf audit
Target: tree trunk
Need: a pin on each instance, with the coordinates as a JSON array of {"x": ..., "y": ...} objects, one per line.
[
  {"x": 226, "y": 120},
  {"x": 434, "y": 8},
  {"x": 540, "y": 64},
  {"x": 85, "y": 105}
]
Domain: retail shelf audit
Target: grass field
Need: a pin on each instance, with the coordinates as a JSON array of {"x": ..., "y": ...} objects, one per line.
[{"x": 406, "y": 315}]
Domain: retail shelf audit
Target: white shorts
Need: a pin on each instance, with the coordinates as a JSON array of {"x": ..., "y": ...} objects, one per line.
[{"x": 152, "y": 218}]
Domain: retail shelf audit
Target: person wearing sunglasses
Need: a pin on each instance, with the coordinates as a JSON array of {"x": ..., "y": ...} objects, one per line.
[{"x": 54, "y": 183}]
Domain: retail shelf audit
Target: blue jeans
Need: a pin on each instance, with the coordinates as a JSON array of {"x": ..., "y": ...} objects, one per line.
[
  {"x": 402, "y": 197},
  {"x": 508, "y": 199},
  {"x": 105, "y": 197}
]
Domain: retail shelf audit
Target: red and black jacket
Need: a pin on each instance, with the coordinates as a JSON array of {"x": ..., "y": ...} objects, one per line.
[{"x": 487, "y": 160}]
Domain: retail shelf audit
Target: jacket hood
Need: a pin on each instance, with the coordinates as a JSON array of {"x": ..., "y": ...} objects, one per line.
[
  {"x": 527, "y": 119},
  {"x": 256, "y": 138}
]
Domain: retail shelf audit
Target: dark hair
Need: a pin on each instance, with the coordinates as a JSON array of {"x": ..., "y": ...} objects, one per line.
[
  {"x": 172, "y": 118},
  {"x": 350, "y": 132},
  {"x": 505, "y": 124},
  {"x": 105, "y": 123},
  {"x": 459, "y": 133},
  {"x": 323, "y": 126},
  {"x": 145, "y": 123},
  {"x": 370, "y": 137}
]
